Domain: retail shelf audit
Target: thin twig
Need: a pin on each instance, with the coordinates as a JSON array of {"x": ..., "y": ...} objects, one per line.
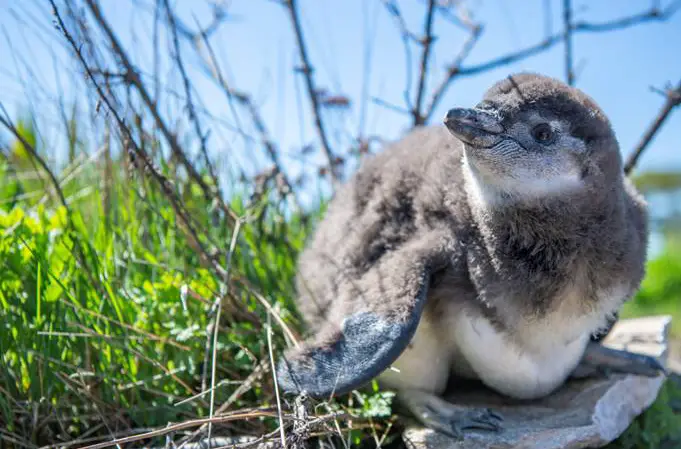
[
  {"x": 271, "y": 148},
  {"x": 427, "y": 42},
  {"x": 250, "y": 288},
  {"x": 393, "y": 107},
  {"x": 139, "y": 354},
  {"x": 232, "y": 247},
  {"x": 567, "y": 20},
  {"x": 146, "y": 334},
  {"x": 191, "y": 110},
  {"x": 216, "y": 73},
  {"x": 367, "y": 59},
  {"x": 548, "y": 18},
  {"x": 13, "y": 438},
  {"x": 260, "y": 369},
  {"x": 459, "y": 70},
  {"x": 83, "y": 440},
  {"x": 653, "y": 14},
  {"x": 673, "y": 100},
  {"x": 133, "y": 78},
  {"x": 138, "y": 153},
  {"x": 219, "y": 17},
  {"x": 274, "y": 377},
  {"x": 306, "y": 70},
  {"x": 213, "y": 69},
  {"x": 35, "y": 156},
  {"x": 453, "y": 70},
  {"x": 407, "y": 37},
  {"x": 183, "y": 425},
  {"x": 462, "y": 19}
]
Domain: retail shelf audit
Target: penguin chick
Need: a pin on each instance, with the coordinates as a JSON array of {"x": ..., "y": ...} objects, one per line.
[{"x": 490, "y": 248}]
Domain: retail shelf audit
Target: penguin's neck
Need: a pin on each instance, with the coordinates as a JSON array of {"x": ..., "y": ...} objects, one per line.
[
  {"x": 537, "y": 270},
  {"x": 535, "y": 258},
  {"x": 537, "y": 248},
  {"x": 557, "y": 223}
]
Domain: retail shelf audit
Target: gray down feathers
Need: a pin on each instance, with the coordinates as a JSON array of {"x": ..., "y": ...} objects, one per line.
[{"x": 406, "y": 211}]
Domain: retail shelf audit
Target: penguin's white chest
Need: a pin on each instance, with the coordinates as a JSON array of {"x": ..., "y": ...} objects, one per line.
[{"x": 526, "y": 370}]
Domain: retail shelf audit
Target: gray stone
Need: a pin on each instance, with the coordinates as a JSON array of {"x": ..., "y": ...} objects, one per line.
[{"x": 582, "y": 414}]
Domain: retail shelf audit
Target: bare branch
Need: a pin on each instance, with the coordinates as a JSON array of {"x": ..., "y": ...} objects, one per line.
[
  {"x": 183, "y": 425},
  {"x": 673, "y": 100},
  {"x": 219, "y": 16},
  {"x": 394, "y": 12},
  {"x": 510, "y": 58},
  {"x": 216, "y": 73},
  {"x": 134, "y": 79},
  {"x": 306, "y": 70},
  {"x": 426, "y": 41},
  {"x": 461, "y": 19},
  {"x": 191, "y": 110},
  {"x": 654, "y": 14},
  {"x": 245, "y": 100},
  {"x": 567, "y": 20},
  {"x": 388, "y": 105},
  {"x": 407, "y": 36},
  {"x": 138, "y": 153},
  {"x": 453, "y": 70},
  {"x": 458, "y": 70}
]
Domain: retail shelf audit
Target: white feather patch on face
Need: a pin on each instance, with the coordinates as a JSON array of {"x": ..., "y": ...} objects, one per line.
[
  {"x": 554, "y": 183},
  {"x": 479, "y": 193},
  {"x": 525, "y": 184},
  {"x": 509, "y": 173}
]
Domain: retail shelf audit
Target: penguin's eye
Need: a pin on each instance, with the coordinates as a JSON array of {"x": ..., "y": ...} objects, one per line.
[{"x": 543, "y": 133}]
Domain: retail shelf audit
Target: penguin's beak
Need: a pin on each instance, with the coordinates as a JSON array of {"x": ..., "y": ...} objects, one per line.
[{"x": 474, "y": 126}]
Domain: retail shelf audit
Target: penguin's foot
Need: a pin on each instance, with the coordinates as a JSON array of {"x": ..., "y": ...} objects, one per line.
[
  {"x": 599, "y": 360},
  {"x": 447, "y": 418}
]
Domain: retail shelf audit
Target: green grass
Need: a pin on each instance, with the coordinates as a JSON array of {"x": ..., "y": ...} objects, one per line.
[
  {"x": 660, "y": 426},
  {"x": 106, "y": 310},
  {"x": 661, "y": 289}
]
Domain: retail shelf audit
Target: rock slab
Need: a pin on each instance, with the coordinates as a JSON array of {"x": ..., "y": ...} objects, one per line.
[{"x": 582, "y": 414}]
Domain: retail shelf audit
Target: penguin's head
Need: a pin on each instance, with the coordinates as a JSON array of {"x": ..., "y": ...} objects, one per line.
[{"x": 533, "y": 137}]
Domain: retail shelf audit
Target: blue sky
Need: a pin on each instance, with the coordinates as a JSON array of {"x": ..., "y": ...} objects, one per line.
[{"x": 257, "y": 53}]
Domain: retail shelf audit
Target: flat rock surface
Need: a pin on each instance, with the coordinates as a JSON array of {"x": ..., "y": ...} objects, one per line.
[{"x": 582, "y": 414}]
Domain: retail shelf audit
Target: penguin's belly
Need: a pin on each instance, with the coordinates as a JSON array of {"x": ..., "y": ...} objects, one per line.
[
  {"x": 425, "y": 363},
  {"x": 526, "y": 370}
]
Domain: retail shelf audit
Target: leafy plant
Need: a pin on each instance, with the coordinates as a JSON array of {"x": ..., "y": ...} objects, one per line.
[
  {"x": 107, "y": 310},
  {"x": 660, "y": 291},
  {"x": 105, "y": 307},
  {"x": 660, "y": 426}
]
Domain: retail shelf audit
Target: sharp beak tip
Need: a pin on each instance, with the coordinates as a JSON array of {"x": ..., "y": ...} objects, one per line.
[
  {"x": 455, "y": 115},
  {"x": 466, "y": 121}
]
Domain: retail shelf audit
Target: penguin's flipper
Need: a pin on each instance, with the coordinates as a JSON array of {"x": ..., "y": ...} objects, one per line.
[
  {"x": 373, "y": 319},
  {"x": 366, "y": 344}
]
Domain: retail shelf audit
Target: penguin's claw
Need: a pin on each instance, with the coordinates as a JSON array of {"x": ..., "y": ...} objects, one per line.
[{"x": 447, "y": 418}]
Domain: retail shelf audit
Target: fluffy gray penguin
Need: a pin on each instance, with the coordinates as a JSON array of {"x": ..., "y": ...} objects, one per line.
[{"x": 494, "y": 248}]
